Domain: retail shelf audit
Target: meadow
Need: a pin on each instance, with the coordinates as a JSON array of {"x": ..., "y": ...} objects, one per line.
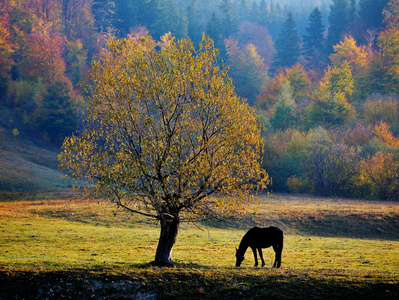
[{"x": 333, "y": 249}]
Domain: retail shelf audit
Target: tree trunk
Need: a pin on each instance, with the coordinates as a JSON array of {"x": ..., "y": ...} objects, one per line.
[{"x": 167, "y": 238}]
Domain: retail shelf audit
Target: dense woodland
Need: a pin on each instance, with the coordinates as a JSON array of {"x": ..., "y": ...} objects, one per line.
[{"x": 323, "y": 77}]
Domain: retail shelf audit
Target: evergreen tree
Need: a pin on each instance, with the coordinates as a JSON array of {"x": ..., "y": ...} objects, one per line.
[
  {"x": 181, "y": 30},
  {"x": 126, "y": 13},
  {"x": 275, "y": 19},
  {"x": 147, "y": 15},
  {"x": 313, "y": 42},
  {"x": 370, "y": 11},
  {"x": 338, "y": 19},
  {"x": 243, "y": 10},
  {"x": 57, "y": 115},
  {"x": 229, "y": 18},
  {"x": 288, "y": 43},
  {"x": 263, "y": 13},
  {"x": 214, "y": 30},
  {"x": 254, "y": 12},
  {"x": 352, "y": 13},
  {"x": 194, "y": 22},
  {"x": 168, "y": 19}
]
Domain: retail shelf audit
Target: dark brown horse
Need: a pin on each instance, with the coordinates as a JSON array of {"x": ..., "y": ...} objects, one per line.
[{"x": 258, "y": 238}]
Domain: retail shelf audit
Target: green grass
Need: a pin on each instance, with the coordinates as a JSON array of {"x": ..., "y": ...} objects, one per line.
[
  {"x": 334, "y": 248},
  {"x": 28, "y": 167}
]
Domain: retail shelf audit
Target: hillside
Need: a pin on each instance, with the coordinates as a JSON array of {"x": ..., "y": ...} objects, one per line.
[{"x": 26, "y": 166}]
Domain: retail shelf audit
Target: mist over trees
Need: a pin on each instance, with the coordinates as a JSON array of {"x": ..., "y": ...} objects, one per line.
[{"x": 322, "y": 75}]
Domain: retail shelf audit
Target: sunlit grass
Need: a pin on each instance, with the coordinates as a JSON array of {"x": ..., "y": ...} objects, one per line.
[
  {"x": 52, "y": 234},
  {"x": 322, "y": 248}
]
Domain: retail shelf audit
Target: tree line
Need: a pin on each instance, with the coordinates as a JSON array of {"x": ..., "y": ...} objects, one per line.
[{"x": 324, "y": 85}]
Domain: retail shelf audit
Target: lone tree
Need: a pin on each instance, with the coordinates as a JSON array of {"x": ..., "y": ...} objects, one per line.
[{"x": 166, "y": 136}]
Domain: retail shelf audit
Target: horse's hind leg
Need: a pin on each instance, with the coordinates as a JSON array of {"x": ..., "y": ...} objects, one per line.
[
  {"x": 277, "y": 260},
  {"x": 255, "y": 256},
  {"x": 278, "y": 255}
]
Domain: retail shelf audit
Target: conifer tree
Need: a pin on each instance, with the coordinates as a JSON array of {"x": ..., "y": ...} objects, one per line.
[
  {"x": 288, "y": 43},
  {"x": 338, "y": 20},
  {"x": 147, "y": 10},
  {"x": 194, "y": 22},
  {"x": 229, "y": 18},
  {"x": 313, "y": 42},
  {"x": 263, "y": 13},
  {"x": 168, "y": 19},
  {"x": 352, "y": 13},
  {"x": 275, "y": 18},
  {"x": 56, "y": 116},
  {"x": 243, "y": 10},
  {"x": 125, "y": 16},
  {"x": 370, "y": 11},
  {"x": 255, "y": 12},
  {"x": 214, "y": 30}
]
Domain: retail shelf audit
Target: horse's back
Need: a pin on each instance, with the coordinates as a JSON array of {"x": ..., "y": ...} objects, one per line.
[
  {"x": 265, "y": 237},
  {"x": 272, "y": 231}
]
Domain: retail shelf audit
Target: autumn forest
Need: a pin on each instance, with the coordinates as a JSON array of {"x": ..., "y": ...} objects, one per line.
[{"x": 322, "y": 76}]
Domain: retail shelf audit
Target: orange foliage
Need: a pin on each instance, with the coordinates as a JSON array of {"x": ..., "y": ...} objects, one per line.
[
  {"x": 299, "y": 82},
  {"x": 45, "y": 55},
  {"x": 348, "y": 51},
  {"x": 6, "y": 45},
  {"x": 382, "y": 132}
]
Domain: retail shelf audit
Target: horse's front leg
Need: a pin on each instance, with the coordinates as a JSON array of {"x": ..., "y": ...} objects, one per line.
[
  {"x": 255, "y": 256},
  {"x": 261, "y": 256}
]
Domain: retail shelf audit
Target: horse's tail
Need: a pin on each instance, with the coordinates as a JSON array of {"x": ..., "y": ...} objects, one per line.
[
  {"x": 282, "y": 241},
  {"x": 279, "y": 250}
]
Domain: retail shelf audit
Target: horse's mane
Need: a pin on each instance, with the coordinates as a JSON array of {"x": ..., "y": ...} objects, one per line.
[{"x": 244, "y": 242}]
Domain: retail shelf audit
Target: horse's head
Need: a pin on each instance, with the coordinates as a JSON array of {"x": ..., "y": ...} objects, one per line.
[{"x": 239, "y": 258}]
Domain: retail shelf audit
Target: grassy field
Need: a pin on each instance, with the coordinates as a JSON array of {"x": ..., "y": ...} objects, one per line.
[
  {"x": 28, "y": 166},
  {"x": 334, "y": 249}
]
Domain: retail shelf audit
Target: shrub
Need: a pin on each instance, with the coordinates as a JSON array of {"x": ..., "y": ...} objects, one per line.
[{"x": 297, "y": 185}]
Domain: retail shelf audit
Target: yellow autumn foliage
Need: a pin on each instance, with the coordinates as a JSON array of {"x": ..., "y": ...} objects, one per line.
[{"x": 165, "y": 133}]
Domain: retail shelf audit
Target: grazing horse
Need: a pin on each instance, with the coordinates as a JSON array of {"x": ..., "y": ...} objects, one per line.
[{"x": 258, "y": 238}]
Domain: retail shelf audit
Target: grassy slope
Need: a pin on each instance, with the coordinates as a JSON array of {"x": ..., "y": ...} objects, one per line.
[
  {"x": 26, "y": 166},
  {"x": 89, "y": 244}
]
